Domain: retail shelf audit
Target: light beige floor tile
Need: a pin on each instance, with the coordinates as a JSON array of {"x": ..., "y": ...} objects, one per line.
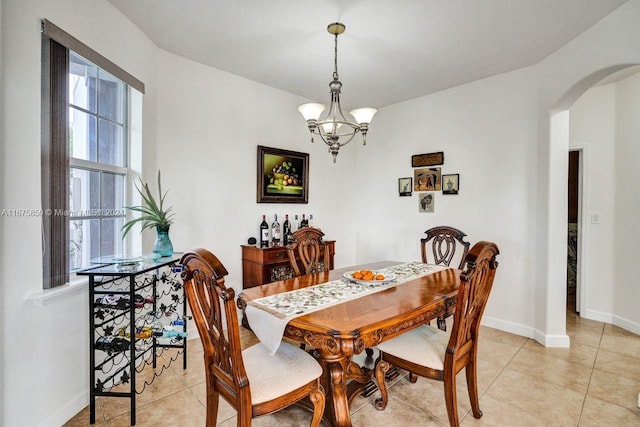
[
  {"x": 180, "y": 409},
  {"x": 225, "y": 411},
  {"x": 576, "y": 353},
  {"x": 614, "y": 389},
  {"x": 153, "y": 384},
  {"x": 506, "y": 337},
  {"x": 617, "y": 340},
  {"x": 619, "y": 364},
  {"x": 553, "y": 403},
  {"x": 545, "y": 367},
  {"x": 584, "y": 331},
  {"x": 598, "y": 413},
  {"x": 194, "y": 374},
  {"x": 498, "y": 412},
  {"x": 428, "y": 396},
  {"x": 396, "y": 414},
  {"x": 82, "y": 419}
]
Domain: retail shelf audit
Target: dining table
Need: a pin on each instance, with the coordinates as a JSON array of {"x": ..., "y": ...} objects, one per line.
[{"x": 348, "y": 319}]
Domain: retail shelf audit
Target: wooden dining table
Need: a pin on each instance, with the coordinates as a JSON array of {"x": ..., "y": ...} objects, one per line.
[{"x": 339, "y": 332}]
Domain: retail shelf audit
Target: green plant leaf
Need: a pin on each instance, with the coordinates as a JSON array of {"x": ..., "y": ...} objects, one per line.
[{"x": 153, "y": 213}]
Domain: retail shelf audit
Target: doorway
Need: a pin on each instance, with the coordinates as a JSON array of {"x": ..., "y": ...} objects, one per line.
[{"x": 573, "y": 227}]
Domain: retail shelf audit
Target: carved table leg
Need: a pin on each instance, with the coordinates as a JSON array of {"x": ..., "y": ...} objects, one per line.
[{"x": 337, "y": 404}]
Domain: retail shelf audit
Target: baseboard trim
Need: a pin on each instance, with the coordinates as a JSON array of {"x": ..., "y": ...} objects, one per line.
[
  {"x": 67, "y": 412},
  {"x": 546, "y": 340}
]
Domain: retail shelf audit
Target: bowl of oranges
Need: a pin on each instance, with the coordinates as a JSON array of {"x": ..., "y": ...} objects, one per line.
[{"x": 368, "y": 276}]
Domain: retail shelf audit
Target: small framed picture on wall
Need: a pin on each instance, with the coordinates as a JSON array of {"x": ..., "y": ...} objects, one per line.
[
  {"x": 404, "y": 186},
  {"x": 450, "y": 184},
  {"x": 426, "y": 202}
]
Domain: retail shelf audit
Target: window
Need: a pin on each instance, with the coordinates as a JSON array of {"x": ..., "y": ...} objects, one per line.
[
  {"x": 85, "y": 161},
  {"x": 97, "y": 162}
]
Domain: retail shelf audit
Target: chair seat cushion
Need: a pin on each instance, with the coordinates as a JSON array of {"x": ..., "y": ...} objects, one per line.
[
  {"x": 271, "y": 376},
  {"x": 424, "y": 346}
]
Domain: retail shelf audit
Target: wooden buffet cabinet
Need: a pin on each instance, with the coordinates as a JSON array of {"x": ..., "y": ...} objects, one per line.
[{"x": 265, "y": 265}]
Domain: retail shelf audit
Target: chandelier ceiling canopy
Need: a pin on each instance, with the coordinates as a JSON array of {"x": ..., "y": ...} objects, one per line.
[{"x": 334, "y": 128}]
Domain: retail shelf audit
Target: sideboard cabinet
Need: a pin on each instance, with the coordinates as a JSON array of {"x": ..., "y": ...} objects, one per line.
[{"x": 265, "y": 265}]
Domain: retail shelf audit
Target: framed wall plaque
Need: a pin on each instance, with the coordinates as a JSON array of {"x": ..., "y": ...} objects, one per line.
[{"x": 429, "y": 159}]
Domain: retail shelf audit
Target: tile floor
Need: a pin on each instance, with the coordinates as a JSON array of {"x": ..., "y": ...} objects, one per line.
[{"x": 521, "y": 383}]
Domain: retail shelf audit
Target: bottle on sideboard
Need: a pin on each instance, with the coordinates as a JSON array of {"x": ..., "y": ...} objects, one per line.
[
  {"x": 310, "y": 221},
  {"x": 264, "y": 232},
  {"x": 275, "y": 231},
  {"x": 286, "y": 230},
  {"x": 304, "y": 222},
  {"x": 297, "y": 222}
]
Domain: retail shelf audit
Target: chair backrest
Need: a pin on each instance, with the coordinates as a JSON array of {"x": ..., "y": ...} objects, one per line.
[
  {"x": 443, "y": 242},
  {"x": 307, "y": 243},
  {"x": 212, "y": 304},
  {"x": 475, "y": 285}
]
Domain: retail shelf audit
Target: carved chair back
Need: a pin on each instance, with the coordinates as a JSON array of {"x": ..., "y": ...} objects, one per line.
[
  {"x": 476, "y": 282},
  {"x": 213, "y": 308},
  {"x": 307, "y": 244},
  {"x": 442, "y": 243}
]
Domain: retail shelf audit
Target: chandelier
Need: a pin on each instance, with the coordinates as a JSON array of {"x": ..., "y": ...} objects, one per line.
[{"x": 334, "y": 128}]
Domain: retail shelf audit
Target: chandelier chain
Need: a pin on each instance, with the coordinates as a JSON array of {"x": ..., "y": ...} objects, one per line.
[{"x": 335, "y": 59}]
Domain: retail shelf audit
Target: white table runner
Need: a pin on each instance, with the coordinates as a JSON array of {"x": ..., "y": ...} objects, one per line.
[{"x": 269, "y": 316}]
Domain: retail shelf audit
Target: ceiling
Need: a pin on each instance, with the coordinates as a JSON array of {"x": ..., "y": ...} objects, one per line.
[{"x": 391, "y": 51}]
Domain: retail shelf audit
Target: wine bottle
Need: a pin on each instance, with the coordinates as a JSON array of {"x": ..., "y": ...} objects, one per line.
[
  {"x": 286, "y": 230},
  {"x": 275, "y": 231},
  {"x": 264, "y": 232},
  {"x": 310, "y": 222},
  {"x": 297, "y": 222},
  {"x": 304, "y": 222}
]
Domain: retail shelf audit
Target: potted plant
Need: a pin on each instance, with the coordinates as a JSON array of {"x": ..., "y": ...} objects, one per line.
[{"x": 153, "y": 214}]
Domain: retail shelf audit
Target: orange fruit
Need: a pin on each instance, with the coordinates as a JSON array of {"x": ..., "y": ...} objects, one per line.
[
  {"x": 368, "y": 276},
  {"x": 357, "y": 275},
  {"x": 380, "y": 277}
]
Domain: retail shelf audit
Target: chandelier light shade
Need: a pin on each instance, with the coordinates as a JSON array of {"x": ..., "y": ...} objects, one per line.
[{"x": 334, "y": 128}]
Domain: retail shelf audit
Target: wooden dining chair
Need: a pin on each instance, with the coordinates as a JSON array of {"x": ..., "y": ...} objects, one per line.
[
  {"x": 435, "y": 354},
  {"x": 307, "y": 244},
  {"x": 442, "y": 243},
  {"x": 253, "y": 381}
]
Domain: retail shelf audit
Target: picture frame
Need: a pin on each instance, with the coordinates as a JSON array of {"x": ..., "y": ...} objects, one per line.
[
  {"x": 426, "y": 202},
  {"x": 405, "y": 186},
  {"x": 427, "y": 179},
  {"x": 282, "y": 176},
  {"x": 450, "y": 183},
  {"x": 428, "y": 159}
]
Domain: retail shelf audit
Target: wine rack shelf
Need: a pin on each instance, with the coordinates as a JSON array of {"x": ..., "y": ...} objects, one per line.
[{"x": 137, "y": 318}]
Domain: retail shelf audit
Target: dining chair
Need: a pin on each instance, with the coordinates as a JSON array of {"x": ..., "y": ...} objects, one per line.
[
  {"x": 429, "y": 352},
  {"x": 253, "y": 381},
  {"x": 443, "y": 243},
  {"x": 307, "y": 243}
]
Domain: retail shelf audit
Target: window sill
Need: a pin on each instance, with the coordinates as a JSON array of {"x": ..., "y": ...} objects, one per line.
[{"x": 48, "y": 296}]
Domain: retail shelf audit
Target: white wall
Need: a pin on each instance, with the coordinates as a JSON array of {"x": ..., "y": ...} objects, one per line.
[
  {"x": 487, "y": 133},
  {"x": 202, "y": 126},
  {"x": 44, "y": 349},
  {"x": 627, "y": 228}
]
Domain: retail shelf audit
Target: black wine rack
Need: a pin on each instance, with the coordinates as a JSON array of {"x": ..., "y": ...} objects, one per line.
[{"x": 137, "y": 311}]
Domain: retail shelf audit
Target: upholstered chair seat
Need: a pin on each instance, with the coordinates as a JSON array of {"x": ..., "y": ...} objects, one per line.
[
  {"x": 276, "y": 375},
  {"x": 424, "y": 346}
]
